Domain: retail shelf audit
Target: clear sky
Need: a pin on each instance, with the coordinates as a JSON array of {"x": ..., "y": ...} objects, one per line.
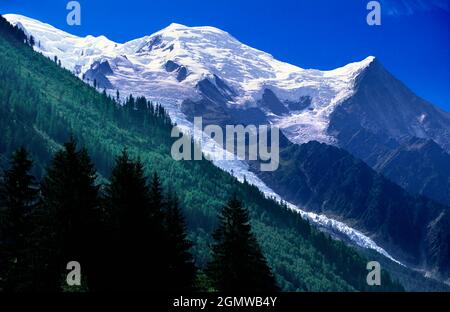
[{"x": 413, "y": 41}]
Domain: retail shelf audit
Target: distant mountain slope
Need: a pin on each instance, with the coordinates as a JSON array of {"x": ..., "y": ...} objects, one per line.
[
  {"x": 397, "y": 133},
  {"x": 42, "y": 103},
  {"x": 328, "y": 180},
  {"x": 420, "y": 166}
]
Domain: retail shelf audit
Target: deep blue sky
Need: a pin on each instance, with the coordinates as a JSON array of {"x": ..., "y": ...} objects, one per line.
[{"x": 413, "y": 41}]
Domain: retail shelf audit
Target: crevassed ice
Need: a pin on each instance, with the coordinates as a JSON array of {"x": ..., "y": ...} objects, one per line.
[
  {"x": 241, "y": 171},
  {"x": 139, "y": 65}
]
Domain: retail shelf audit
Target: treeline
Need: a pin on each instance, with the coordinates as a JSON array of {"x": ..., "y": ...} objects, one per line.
[
  {"x": 127, "y": 235},
  {"x": 14, "y": 31},
  {"x": 17, "y": 114}
]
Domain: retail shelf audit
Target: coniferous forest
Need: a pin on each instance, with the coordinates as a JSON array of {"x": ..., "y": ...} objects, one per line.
[
  {"x": 88, "y": 177},
  {"x": 129, "y": 235}
]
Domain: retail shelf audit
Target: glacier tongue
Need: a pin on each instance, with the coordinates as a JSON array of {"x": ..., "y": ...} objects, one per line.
[
  {"x": 241, "y": 171},
  {"x": 139, "y": 68}
]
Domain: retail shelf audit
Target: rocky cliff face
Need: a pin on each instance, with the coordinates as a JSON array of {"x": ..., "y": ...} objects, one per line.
[
  {"x": 328, "y": 180},
  {"x": 397, "y": 133}
]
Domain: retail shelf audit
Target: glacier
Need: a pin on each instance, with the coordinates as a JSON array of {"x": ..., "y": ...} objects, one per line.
[
  {"x": 240, "y": 170},
  {"x": 138, "y": 68}
]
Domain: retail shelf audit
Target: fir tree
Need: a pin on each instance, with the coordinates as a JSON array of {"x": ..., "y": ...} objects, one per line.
[
  {"x": 18, "y": 191},
  {"x": 70, "y": 213},
  {"x": 160, "y": 236},
  {"x": 156, "y": 198},
  {"x": 32, "y": 41},
  {"x": 181, "y": 268},
  {"x": 136, "y": 218},
  {"x": 237, "y": 261}
]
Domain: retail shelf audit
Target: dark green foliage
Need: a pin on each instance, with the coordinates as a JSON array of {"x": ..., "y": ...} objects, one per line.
[
  {"x": 136, "y": 243},
  {"x": 70, "y": 210},
  {"x": 156, "y": 201},
  {"x": 144, "y": 240},
  {"x": 18, "y": 197},
  {"x": 237, "y": 261},
  {"x": 182, "y": 271},
  {"x": 13, "y": 32},
  {"x": 31, "y": 41},
  {"x": 139, "y": 257}
]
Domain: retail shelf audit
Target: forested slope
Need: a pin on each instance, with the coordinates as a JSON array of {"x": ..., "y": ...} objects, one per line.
[{"x": 41, "y": 104}]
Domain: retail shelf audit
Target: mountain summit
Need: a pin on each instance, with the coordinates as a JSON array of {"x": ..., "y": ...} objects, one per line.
[
  {"x": 178, "y": 63},
  {"x": 206, "y": 69}
]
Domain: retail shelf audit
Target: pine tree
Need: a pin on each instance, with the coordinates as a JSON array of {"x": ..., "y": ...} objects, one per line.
[
  {"x": 237, "y": 260},
  {"x": 160, "y": 236},
  {"x": 32, "y": 41},
  {"x": 137, "y": 223},
  {"x": 181, "y": 267},
  {"x": 156, "y": 198},
  {"x": 70, "y": 213},
  {"x": 18, "y": 191}
]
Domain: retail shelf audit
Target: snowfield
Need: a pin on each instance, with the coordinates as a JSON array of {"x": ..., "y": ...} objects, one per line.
[{"x": 139, "y": 68}]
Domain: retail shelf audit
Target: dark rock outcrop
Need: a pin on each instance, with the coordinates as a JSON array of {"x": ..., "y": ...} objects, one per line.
[
  {"x": 271, "y": 102},
  {"x": 99, "y": 72}
]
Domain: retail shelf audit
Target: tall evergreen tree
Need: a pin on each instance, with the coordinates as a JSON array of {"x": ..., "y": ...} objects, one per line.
[
  {"x": 159, "y": 234},
  {"x": 18, "y": 192},
  {"x": 156, "y": 200},
  {"x": 138, "y": 257},
  {"x": 32, "y": 41},
  {"x": 70, "y": 213},
  {"x": 181, "y": 267},
  {"x": 237, "y": 260}
]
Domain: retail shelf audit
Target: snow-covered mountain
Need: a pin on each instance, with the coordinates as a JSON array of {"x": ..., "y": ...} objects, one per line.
[
  {"x": 178, "y": 63},
  {"x": 204, "y": 71}
]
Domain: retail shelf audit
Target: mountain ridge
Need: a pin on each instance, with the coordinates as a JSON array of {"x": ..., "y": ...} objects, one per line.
[
  {"x": 328, "y": 180},
  {"x": 247, "y": 72},
  {"x": 303, "y": 103}
]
